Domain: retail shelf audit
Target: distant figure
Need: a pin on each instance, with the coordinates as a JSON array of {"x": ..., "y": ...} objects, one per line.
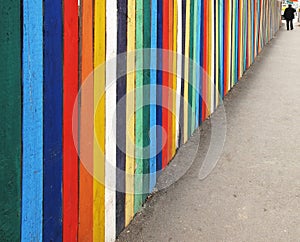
[{"x": 289, "y": 15}]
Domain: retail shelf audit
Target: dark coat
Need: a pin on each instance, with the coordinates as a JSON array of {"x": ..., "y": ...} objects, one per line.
[{"x": 289, "y": 13}]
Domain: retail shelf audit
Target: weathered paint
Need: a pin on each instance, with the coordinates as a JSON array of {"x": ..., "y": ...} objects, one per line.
[
  {"x": 120, "y": 117},
  {"x": 138, "y": 184},
  {"x": 152, "y": 101},
  {"x": 32, "y": 125},
  {"x": 110, "y": 120},
  {"x": 130, "y": 114},
  {"x": 85, "y": 201},
  {"x": 99, "y": 121},
  {"x": 10, "y": 120},
  {"x": 86, "y": 109},
  {"x": 70, "y": 157},
  {"x": 53, "y": 120}
]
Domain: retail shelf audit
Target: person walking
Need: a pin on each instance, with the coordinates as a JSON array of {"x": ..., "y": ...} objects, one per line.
[{"x": 289, "y": 15}]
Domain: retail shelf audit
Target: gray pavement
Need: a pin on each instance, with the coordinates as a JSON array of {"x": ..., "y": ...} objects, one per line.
[{"x": 253, "y": 194}]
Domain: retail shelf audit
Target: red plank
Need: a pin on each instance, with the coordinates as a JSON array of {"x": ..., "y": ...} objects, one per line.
[
  {"x": 70, "y": 86},
  {"x": 165, "y": 84}
]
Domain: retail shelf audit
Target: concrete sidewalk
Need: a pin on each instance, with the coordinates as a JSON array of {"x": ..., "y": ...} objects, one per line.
[{"x": 253, "y": 194}]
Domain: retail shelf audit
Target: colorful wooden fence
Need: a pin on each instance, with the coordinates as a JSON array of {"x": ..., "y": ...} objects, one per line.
[{"x": 80, "y": 152}]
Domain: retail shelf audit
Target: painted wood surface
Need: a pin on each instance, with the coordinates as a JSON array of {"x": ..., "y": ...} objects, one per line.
[
  {"x": 110, "y": 119},
  {"x": 32, "y": 125},
  {"x": 146, "y": 96},
  {"x": 186, "y": 70},
  {"x": 127, "y": 121},
  {"x": 165, "y": 81},
  {"x": 138, "y": 184},
  {"x": 99, "y": 121},
  {"x": 130, "y": 114},
  {"x": 86, "y": 109},
  {"x": 174, "y": 27},
  {"x": 10, "y": 120},
  {"x": 53, "y": 121},
  {"x": 70, "y": 125},
  {"x": 152, "y": 97},
  {"x": 159, "y": 81},
  {"x": 121, "y": 116}
]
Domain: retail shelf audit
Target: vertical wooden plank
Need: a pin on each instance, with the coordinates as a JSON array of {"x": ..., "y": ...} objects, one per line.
[
  {"x": 255, "y": 28},
  {"x": 86, "y": 137},
  {"x": 200, "y": 62},
  {"x": 248, "y": 34},
  {"x": 165, "y": 84},
  {"x": 159, "y": 86},
  {"x": 209, "y": 56},
  {"x": 110, "y": 140},
  {"x": 130, "y": 114},
  {"x": 259, "y": 26},
  {"x": 32, "y": 126},
  {"x": 52, "y": 129},
  {"x": 233, "y": 43},
  {"x": 10, "y": 120},
  {"x": 240, "y": 43},
  {"x": 252, "y": 30},
  {"x": 212, "y": 61},
  {"x": 226, "y": 46},
  {"x": 186, "y": 70},
  {"x": 229, "y": 53},
  {"x": 217, "y": 52},
  {"x": 99, "y": 121},
  {"x": 236, "y": 74},
  {"x": 146, "y": 95},
  {"x": 191, "y": 76},
  {"x": 179, "y": 71},
  {"x": 174, "y": 68},
  {"x": 121, "y": 116},
  {"x": 70, "y": 158},
  {"x": 205, "y": 60},
  {"x": 153, "y": 80},
  {"x": 139, "y": 111},
  {"x": 194, "y": 69},
  {"x": 222, "y": 49},
  {"x": 201, "y": 76},
  {"x": 170, "y": 82}
]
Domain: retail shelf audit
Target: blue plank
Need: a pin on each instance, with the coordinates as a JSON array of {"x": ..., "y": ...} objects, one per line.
[
  {"x": 198, "y": 71},
  {"x": 201, "y": 58},
  {"x": 32, "y": 130},
  {"x": 252, "y": 30},
  {"x": 159, "y": 87},
  {"x": 121, "y": 116},
  {"x": 152, "y": 160},
  {"x": 222, "y": 49},
  {"x": 53, "y": 86}
]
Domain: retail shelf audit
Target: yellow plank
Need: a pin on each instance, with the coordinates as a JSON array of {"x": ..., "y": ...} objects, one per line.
[
  {"x": 99, "y": 109},
  {"x": 175, "y": 21},
  {"x": 130, "y": 117}
]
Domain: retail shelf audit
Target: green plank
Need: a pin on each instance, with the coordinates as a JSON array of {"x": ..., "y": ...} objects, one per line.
[
  {"x": 139, "y": 137},
  {"x": 10, "y": 120},
  {"x": 146, "y": 95}
]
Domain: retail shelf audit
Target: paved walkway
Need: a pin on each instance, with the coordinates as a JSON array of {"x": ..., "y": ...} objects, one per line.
[{"x": 253, "y": 194}]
